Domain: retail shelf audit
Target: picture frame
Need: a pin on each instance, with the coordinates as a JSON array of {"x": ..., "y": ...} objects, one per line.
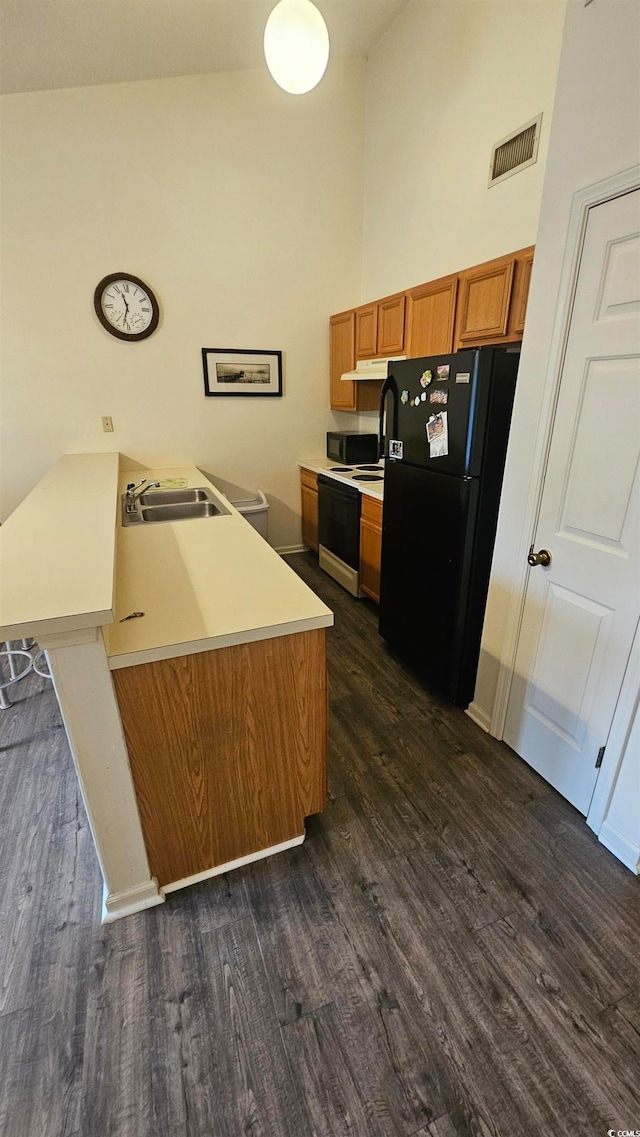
[{"x": 235, "y": 372}]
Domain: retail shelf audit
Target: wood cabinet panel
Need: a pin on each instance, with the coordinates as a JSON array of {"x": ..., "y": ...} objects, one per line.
[
  {"x": 391, "y": 314},
  {"x": 227, "y": 749},
  {"x": 430, "y": 319},
  {"x": 380, "y": 328},
  {"x": 309, "y": 513},
  {"x": 521, "y": 282},
  {"x": 371, "y": 509},
  {"x": 370, "y": 546},
  {"x": 367, "y": 331},
  {"x": 483, "y": 304},
  {"x": 342, "y": 358}
]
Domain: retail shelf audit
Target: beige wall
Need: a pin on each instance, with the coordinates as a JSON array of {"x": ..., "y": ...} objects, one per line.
[
  {"x": 448, "y": 81},
  {"x": 241, "y": 207}
]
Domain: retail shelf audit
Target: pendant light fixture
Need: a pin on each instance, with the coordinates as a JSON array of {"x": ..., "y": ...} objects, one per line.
[{"x": 296, "y": 45}]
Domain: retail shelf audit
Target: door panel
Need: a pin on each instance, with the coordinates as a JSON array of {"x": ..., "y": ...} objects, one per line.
[
  {"x": 566, "y": 615},
  {"x": 581, "y": 612},
  {"x": 596, "y": 508}
]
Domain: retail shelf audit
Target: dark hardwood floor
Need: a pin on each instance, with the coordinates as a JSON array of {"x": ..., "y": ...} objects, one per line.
[{"x": 450, "y": 953}]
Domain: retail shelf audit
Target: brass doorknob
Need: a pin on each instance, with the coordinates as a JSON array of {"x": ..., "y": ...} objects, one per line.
[{"x": 541, "y": 558}]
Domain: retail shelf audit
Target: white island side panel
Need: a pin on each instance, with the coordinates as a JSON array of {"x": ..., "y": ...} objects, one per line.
[{"x": 57, "y": 550}]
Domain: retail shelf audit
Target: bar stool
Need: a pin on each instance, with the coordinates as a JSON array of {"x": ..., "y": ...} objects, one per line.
[{"x": 19, "y": 662}]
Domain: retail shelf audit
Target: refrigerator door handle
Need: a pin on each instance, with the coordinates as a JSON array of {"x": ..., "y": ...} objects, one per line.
[{"x": 388, "y": 387}]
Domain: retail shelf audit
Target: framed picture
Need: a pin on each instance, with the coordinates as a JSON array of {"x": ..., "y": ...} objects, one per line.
[{"x": 236, "y": 372}]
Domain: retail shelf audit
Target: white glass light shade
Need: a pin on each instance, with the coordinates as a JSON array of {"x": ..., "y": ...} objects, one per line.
[{"x": 296, "y": 45}]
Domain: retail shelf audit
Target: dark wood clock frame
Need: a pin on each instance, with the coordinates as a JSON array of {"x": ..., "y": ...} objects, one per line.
[{"x": 97, "y": 304}]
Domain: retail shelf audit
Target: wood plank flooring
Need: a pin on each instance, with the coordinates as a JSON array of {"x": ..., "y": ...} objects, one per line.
[{"x": 451, "y": 953}]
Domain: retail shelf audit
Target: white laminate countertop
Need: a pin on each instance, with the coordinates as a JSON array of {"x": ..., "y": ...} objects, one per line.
[
  {"x": 323, "y": 465},
  {"x": 57, "y": 551},
  {"x": 202, "y": 584}
]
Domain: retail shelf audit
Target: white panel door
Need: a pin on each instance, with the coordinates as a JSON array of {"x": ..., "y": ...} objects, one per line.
[{"x": 581, "y": 612}]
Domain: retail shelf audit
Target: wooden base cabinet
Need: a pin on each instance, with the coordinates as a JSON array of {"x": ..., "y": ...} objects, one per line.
[
  {"x": 370, "y": 546},
  {"x": 227, "y": 750},
  {"x": 309, "y": 509}
]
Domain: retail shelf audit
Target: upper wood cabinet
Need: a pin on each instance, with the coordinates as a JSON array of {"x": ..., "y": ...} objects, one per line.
[
  {"x": 366, "y": 331},
  {"x": 485, "y": 295},
  {"x": 485, "y": 304},
  {"x": 430, "y": 319},
  {"x": 346, "y": 395},
  {"x": 492, "y": 299},
  {"x": 380, "y": 328},
  {"x": 342, "y": 351},
  {"x": 522, "y": 280}
]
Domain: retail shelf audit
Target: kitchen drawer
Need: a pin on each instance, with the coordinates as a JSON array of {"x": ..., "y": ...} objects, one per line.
[
  {"x": 309, "y": 479},
  {"x": 371, "y": 509}
]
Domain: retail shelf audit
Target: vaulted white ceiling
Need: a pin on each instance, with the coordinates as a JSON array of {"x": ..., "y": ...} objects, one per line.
[{"x": 49, "y": 44}]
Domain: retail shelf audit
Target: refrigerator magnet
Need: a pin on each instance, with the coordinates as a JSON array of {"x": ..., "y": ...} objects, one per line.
[
  {"x": 396, "y": 447},
  {"x": 439, "y": 396},
  {"x": 442, "y": 372},
  {"x": 425, "y": 378},
  {"x": 438, "y": 435},
  {"x": 463, "y": 377},
  {"x": 404, "y": 398},
  {"x": 423, "y": 397}
]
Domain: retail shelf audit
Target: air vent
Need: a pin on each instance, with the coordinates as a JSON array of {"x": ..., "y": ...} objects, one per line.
[{"x": 515, "y": 152}]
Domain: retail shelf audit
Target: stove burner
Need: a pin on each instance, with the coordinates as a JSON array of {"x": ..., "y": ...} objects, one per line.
[
  {"x": 378, "y": 469},
  {"x": 340, "y": 469},
  {"x": 367, "y": 478}
]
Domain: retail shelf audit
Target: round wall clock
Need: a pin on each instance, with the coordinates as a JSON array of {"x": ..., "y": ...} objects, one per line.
[{"x": 126, "y": 306}]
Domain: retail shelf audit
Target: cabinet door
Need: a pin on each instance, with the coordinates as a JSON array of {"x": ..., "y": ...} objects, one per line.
[
  {"x": 484, "y": 298},
  {"x": 370, "y": 546},
  {"x": 522, "y": 280},
  {"x": 431, "y": 313},
  {"x": 309, "y": 509},
  {"x": 342, "y": 343},
  {"x": 367, "y": 331},
  {"x": 390, "y": 339}
]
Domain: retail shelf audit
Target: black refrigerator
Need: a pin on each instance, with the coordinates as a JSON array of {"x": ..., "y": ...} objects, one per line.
[{"x": 445, "y": 440}]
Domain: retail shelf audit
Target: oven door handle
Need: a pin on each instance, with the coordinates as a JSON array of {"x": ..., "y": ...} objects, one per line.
[{"x": 336, "y": 488}]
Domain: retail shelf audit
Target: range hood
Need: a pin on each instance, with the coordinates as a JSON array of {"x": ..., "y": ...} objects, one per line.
[{"x": 370, "y": 368}]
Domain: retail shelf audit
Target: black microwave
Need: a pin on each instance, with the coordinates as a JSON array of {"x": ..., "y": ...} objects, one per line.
[{"x": 351, "y": 448}]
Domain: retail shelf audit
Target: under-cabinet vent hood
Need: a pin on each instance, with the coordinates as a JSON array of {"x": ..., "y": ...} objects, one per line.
[{"x": 370, "y": 368}]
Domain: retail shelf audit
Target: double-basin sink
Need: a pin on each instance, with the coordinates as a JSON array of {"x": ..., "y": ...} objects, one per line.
[{"x": 170, "y": 505}]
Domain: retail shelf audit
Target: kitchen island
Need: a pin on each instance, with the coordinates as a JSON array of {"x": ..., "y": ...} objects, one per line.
[{"x": 198, "y": 729}]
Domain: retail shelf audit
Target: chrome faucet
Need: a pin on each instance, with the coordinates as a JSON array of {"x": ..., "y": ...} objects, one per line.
[{"x": 134, "y": 492}]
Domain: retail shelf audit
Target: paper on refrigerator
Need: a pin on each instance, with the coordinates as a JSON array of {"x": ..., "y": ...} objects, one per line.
[{"x": 438, "y": 435}]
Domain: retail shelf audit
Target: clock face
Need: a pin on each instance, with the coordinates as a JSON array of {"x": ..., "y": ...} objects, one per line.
[{"x": 126, "y": 306}]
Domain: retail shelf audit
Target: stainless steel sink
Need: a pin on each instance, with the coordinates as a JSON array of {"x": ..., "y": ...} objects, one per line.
[
  {"x": 180, "y": 512},
  {"x": 173, "y": 497},
  {"x": 170, "y": 505}
]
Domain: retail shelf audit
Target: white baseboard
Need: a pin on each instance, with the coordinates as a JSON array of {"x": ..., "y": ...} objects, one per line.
[
  {"x": 620, "y": 846},
  {"x": 285, "y": 550},
  {"x": 230, "y": 865},
  {"x": 480, "y": 717},
  {"x": 115, "y": 905}
]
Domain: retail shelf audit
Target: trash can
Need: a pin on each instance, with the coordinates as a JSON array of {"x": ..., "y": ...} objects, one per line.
[{"x": 255, "y": 510}]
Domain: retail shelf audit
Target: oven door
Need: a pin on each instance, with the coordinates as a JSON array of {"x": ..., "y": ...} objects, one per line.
[{"x": 339, "y": 531}]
